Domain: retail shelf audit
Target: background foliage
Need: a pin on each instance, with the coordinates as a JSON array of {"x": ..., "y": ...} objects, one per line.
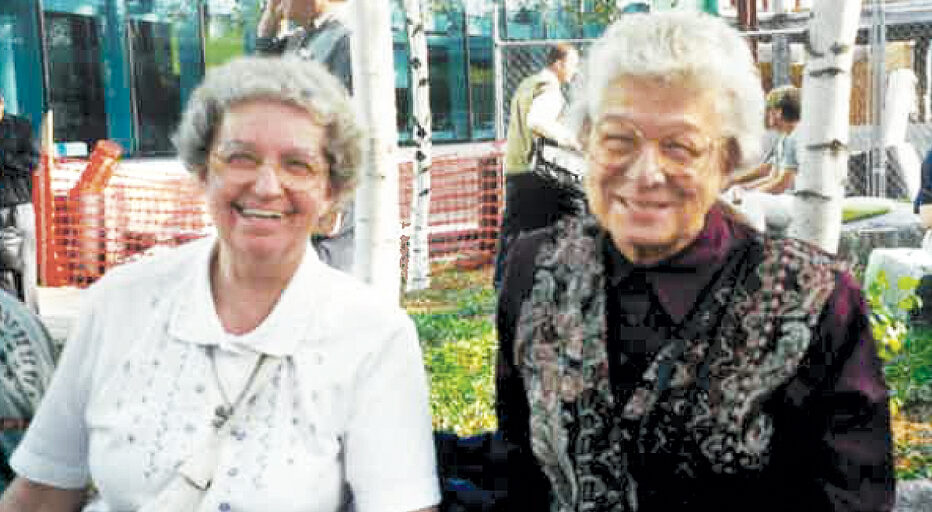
[{"x": 454, "y": 320}]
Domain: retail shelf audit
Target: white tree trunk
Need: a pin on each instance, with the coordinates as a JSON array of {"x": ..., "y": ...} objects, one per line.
[
  {"x": 377, "y": 218},
  {"x": 823, "y": 130},
  {"x": 418, "y": 250}
]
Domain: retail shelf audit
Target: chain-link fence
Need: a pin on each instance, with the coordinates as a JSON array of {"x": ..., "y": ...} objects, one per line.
[
  {"x": 890, "y": 129},
  {"x": 890, "y": 118},
  {"x": 521, "y": 59}
]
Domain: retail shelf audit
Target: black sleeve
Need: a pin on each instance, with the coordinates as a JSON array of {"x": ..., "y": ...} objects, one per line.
[
  {"x": 24, "y": 158},
  {"x": 528, "y": 488}
]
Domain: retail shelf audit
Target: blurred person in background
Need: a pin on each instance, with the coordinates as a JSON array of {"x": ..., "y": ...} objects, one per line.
[
  {"x": 19, "y": 158},
  {"x": 322, "y": 34},
  {"x": 238, "y": 372},
  {"x": 765, "y": 193},
  {"x": 663, "y": 355},
  {"x": 777, "y": 173},
  {"x": 532, "y": 200}
]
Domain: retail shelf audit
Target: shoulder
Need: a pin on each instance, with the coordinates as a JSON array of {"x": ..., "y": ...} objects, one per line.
[
  {"x": 795, "y": 265},
  {"x": 799, "y": 253},
  {"x": 155, "y": 273},
  {"x": 571, "y": 244},
  {"x": 350, "y": 307}
]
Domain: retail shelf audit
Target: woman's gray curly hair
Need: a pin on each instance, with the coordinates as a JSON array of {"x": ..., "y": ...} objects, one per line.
[
  {"x": 290, "y": 80},
  {"x": 685, "y": 48}
]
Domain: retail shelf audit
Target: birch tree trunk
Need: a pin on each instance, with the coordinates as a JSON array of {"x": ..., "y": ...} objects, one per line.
[
  {"x": 418, "y": 250},
  {"x": 822, "y": 142},
  {"x": 377, "y": 218}
]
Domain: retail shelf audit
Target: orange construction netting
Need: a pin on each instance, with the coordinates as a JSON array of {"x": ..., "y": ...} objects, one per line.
[{"x": 96, "y": 213}]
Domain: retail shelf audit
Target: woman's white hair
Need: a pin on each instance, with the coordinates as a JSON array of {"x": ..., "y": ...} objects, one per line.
[
  {"x": 290, "y": 80},
  {"x": 688, "y": 48}
]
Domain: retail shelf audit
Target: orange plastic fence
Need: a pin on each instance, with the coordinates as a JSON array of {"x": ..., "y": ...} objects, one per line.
[
  {"x": 92, "y": 215},
  {"x": 96, "y": 214},
  {"x": 465, "y": 208}
]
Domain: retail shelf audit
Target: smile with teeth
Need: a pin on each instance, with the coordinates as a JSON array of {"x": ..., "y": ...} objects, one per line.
[
  {"x": 258, "y": 213},
  {"x": 642, "y": 205}
]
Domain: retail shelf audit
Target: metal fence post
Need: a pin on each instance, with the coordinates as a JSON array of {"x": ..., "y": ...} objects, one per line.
[
  {"x": 499, "y": 74},
  {"x": 878, "y": 60}
]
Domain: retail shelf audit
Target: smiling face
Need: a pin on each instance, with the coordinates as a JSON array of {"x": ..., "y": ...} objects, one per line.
[
  {"x": 267, "y": 181},
  {"x": 656, "y": 165}
]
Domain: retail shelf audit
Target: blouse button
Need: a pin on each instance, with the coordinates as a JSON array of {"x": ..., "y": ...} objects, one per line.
[{"x": 224, "y": 507}]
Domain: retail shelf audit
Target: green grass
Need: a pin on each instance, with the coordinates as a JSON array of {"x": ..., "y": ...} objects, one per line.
[
  {"x": 851, "y": 214},
  {"x": 454, "y": 320}
]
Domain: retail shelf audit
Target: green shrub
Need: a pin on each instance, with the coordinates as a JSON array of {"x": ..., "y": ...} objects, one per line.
[{"x": 906, "y": 352}]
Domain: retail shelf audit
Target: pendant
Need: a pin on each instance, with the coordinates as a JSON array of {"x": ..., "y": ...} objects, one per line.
[{"x": 221, "y": 415}]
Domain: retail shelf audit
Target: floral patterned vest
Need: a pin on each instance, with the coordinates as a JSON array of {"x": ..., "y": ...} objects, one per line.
[{"x": 700, "y": 396}]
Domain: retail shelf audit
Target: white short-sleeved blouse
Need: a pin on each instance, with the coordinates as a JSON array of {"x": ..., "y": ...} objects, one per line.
[{"x": 135, "y": 392}]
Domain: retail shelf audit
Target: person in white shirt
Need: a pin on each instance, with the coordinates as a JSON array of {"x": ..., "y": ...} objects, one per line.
[
  {"x": 239, "y": 372},
  {"x": 765, "y": 194},
  {"x": 777, "y": 173}
]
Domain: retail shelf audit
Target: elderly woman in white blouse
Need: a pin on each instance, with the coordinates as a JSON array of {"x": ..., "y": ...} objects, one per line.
[{"x": 238, "y": 372}]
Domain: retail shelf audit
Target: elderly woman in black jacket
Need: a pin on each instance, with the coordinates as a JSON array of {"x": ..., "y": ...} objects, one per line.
[{"x": 664, "y": 355}]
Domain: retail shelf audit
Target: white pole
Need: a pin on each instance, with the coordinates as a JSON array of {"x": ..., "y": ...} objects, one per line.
[
  {"x": 823, "y": 127},
  {"x": 377, "y": 216},
  {"x": 418, "y": 243}
]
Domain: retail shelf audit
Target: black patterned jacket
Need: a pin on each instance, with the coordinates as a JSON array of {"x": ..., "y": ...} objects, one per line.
[{"x": 737, "y": 406}]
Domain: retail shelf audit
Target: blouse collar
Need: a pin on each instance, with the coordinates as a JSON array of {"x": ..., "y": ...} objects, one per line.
[{"x": 194, "y": 318}]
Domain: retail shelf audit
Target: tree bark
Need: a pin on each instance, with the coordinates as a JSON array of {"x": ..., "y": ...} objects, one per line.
[
  {"x": 822, "y": 142},
  {"x": 418, "y": 244},
  {"x": 377, "y": 216}
]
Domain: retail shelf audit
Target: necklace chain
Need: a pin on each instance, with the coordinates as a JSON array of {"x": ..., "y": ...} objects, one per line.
[{"x": 225, "y": 411}]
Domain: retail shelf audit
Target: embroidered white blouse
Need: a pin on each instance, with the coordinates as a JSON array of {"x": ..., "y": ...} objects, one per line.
[{"x": 135, "y": 392}]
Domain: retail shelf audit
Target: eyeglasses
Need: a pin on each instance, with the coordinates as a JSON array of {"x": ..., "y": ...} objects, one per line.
[
  {"x": 294, "y": 172},
  {"x": 682, "y": 154}
]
